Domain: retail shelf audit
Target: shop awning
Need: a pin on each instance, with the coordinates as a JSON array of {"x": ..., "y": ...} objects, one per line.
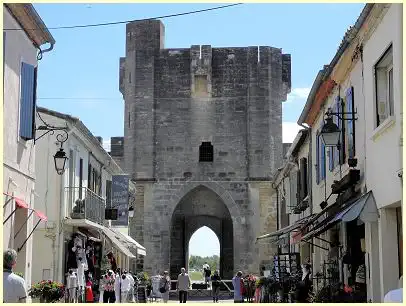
[
  {"x": 363, "y": 208},
  {"x": 83, "y": 223},
  {"x": 140, "y": 249},
  {"x": 112, "y": 236},
  {"x": 131, "y": 244},
  {"x": 21, "y": 204},
  {"x": 285, "y": 230}
]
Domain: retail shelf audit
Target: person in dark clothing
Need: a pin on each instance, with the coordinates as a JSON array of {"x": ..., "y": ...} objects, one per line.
[
  {"x": 112, "y": 261},
  {"x": 215, "y": 286},
  {"x": 304, "y": 286}
]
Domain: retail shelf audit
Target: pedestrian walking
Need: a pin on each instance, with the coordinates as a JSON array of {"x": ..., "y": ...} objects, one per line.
[
  {"x": 117, "y": 286},
  {"x": 132, "y": 284},
  {"x": 72, "y": 286},
  {"x": 237, "y": 287},
  {"x": 125, "y": 285},
  {"x": 14, "y": 288},
  {"x": 206, "y": 273},
  {"x": 215, "y": 286},
  {"x": 108, "y": 292},
  {"x": 164, "y": 286},
  {"x": 183, "y": 285},
  {"x": 89, "y": 290}
]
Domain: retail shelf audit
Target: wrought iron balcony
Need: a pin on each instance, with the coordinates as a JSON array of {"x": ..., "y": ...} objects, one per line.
[{"x": 83, "y": 203}]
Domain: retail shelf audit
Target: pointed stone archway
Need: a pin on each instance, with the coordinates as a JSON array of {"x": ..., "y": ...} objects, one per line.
[{"x": 199, "y": 207}]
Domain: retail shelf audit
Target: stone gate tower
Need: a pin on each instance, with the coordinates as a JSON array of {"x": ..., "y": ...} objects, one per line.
[{"x": 202, "y": 137}]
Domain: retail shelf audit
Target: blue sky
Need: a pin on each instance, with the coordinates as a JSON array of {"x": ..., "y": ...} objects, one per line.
[{"x": 84, "y": 62}]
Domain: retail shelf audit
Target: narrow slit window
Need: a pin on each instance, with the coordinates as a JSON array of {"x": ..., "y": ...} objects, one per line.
[{"x": 206, "y": 152}]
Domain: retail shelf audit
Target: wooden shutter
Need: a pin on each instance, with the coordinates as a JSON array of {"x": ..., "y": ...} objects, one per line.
[
  {"x": 341, "y": 107},
  {"x": 317, "y": 158},
  {"x": 336, "y": 120},
  {"x": 298, "y": 186},
  {"x": 27, "y": 101},
  {"x": 323, "y": 161},
  {"x": 351, "y": 127},
  {"x": 293, "y": 189},
  {"x": 303, "y": 178}
]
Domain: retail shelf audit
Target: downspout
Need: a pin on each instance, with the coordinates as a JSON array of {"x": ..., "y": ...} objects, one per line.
[{"x": 40, "y": 51}]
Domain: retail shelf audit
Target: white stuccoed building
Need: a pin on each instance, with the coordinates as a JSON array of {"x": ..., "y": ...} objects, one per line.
[
  {"x": 383, "y": 88},
  {"x": 75, "y": 202},
  {"x": 24, "y": 34},
  {"x": 364, "y": 76}
]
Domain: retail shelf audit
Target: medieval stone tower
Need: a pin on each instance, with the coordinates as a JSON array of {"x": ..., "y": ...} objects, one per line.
[{"x": 202, "y": 137}]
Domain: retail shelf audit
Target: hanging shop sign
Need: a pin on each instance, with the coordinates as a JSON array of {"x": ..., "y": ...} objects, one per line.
[{"x": 120, "y": 198}]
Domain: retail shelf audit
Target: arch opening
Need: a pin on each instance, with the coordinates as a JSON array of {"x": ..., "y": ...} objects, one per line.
[
  {"x": 201, "y": 207},
  {"x": 203, "y": 247}
]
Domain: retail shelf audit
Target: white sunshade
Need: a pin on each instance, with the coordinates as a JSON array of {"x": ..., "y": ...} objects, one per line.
[
  {"x": 130, "y": 242},
  {"x": 121, "y": 246}
]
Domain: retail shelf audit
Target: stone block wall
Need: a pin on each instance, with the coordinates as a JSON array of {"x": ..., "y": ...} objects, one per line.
[{"x": 175, "y": 99}]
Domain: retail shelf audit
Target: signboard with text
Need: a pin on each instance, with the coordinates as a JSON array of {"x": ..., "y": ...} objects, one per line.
[{"x": 120, "y": 198}]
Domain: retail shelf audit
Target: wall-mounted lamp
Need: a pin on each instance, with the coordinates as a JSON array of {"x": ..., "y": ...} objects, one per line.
[
  {"x": 60, "y": 157},
  {"x": 330, "y": 132}
]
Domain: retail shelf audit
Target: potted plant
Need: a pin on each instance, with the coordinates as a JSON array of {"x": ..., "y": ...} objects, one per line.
[{"x": 48, "y": 291}]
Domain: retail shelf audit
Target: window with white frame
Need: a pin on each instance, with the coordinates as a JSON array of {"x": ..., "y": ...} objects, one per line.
[{"x": 384, "y": 87}]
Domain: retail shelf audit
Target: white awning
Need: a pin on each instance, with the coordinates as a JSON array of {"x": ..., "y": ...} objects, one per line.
[
  {"x": 112, "y": 236},
  {"x": 133, "y": 245},
  {"x": 83, "y": 223},
  {"x": 140, "y": 249}
]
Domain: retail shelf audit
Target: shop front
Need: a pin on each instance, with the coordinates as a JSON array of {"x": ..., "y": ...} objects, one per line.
[
  {"x": 89, "y": 250},
  {"x": 339, "y": 234}
]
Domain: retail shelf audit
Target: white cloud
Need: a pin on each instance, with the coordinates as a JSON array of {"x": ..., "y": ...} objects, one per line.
[
  {"x": 106, "y": 145},
  {"x": 298, "y": 94},
  {"x": 289, "y": 131}
]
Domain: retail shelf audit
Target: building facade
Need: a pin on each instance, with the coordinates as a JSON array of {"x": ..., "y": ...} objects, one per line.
[
  {"x": 24, "y": 34},
  {"x": 356, "y": 197},
  {"x": 202, "y": 137},
  {"x": 353, "y": 229},
  {"x": 293, "y": 189},
  {"x": 75, "y": 203}
]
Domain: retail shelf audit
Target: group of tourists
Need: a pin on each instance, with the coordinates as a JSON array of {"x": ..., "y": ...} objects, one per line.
[{"x": 118, "y": 287}]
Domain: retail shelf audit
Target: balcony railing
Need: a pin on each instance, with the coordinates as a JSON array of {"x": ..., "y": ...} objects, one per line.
[{"x": 83, "y": 203}]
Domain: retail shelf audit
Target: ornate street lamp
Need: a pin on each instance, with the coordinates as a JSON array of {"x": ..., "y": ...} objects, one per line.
[
  {"x": 60, "y": 157},
  {"x": 330, "y": 132}
]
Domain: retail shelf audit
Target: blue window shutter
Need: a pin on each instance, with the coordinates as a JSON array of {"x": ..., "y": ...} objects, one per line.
[
  {"x": 318, "y": 158},
  {"x": 27, "y": 101},
  {"x": 323, "y": 161},
  {"x": 337, "y": 122},
  {"x": 350, "y": 105},
  {"x": 341, "y": 107}
]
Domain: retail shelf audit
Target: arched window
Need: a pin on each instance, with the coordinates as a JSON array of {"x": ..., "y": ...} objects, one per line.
[{"x": 206, "y": 152}]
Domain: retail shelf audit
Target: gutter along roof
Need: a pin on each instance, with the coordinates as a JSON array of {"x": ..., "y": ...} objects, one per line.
[
  {"x": 324, "y": 74},
  {"x": 31, "y": 23}
]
